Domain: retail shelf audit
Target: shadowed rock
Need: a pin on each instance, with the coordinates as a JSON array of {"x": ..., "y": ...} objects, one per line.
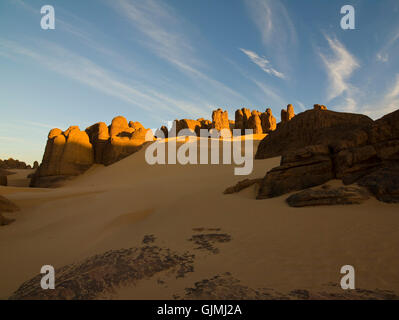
[
  {"x": 242, "y": 185},
  {"x": 287, "y": 115},
  {"x": 100, "y": 275},
  {"x": 255, "y": 123},
  {"x": 356, "y": 149},
  {"x": 226, "y": 287},
  {"x": 314, "y": 127},
  {"x": 328, "y": 196},
  {"x": 308, "y": 167}
]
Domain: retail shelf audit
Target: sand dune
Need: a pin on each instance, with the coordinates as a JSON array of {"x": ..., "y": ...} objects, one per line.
[{"x": 266, "y": 243}]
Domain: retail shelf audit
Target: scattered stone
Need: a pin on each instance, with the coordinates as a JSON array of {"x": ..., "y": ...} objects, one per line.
[
  {"x": 243, "y": 184},
  {"x": 207, "y": 241},
  {"x": 226, "y": 287},
  {"x": 149, "y": 239}
]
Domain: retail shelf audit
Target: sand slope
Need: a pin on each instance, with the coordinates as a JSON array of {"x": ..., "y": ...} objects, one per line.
[{"x": 269, "y": 244}]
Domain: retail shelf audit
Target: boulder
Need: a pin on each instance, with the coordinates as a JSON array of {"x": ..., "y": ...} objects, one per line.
[
  {"x": 35, "y": 165},
  {"x": 242, "y": 185},
  {"x": 305, "y": 168},
  {"x": 328, "y": 196},
  {"x": 352, "y": 148},
  {"x": 383, "y": 182},
  {"x": 119, "y": 125}
]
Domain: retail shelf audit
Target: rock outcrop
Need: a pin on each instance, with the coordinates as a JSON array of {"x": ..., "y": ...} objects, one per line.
[
  {"x": 313, "y": 127},
  {"x": 305, "y": 168},
  {"x": 72, "y": 152},
  {"x": 319, "y": 107},
  {"x": 13, "y": 164},
  {"x": 327, "y": 196},
  {"x": 255, "y": 123},
  {"x": 343, "y": 146},
  {"x": 241, "y": 119},
  {"x": 287, "y": 115},
  {"x": 259, "y": 122},
  {"x": 220, "y": 120},
  {"x": 268, "y": 121}
]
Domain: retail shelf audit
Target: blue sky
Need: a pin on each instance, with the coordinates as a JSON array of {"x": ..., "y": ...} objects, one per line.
[{"x": 155, "y": 61}]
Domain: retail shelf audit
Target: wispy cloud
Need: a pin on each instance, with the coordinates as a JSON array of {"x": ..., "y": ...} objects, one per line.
[
  {"x": 339, "y": 66},
  {"x": 11, "y": 139},
  {"x": 388, "y": 103},
  {"x": 85, "y": 71},
  {"x": 164, "y": 34},
  {"x": 262, "y": 63},
  {"x": 382, "y": 57},
  {"x": 383, "y": 54},
  {"x": 273, "y": 22}
]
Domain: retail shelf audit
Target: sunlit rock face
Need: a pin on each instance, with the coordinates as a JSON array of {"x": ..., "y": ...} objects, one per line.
[{"x": 70, "y": 153}]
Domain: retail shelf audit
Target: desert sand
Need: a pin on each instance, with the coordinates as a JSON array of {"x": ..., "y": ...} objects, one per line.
[{"x": 267, "y": 244}]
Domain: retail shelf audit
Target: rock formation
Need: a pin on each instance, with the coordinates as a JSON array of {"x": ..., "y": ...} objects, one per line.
[
  {"x": 257, "y": 121},
  {"x": 13, "y": 164},
  {"x": 254, "y": 122},
  {"x": 35, "y": 165},
  {"x": 313, "y": 127},
  {"x": 73, "y": 151},
  {"x": 268, "y": 121},
  {"x": 162, "y": 133},
  {"x": 305, "y": 168},
  {"x": 327, "y": 196},
  {"x": 319, "y": 107},
  {"x": 335, "y": 145},
  {"x": 287, "y": 115},
  {"x": 220, "y": 120}
]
